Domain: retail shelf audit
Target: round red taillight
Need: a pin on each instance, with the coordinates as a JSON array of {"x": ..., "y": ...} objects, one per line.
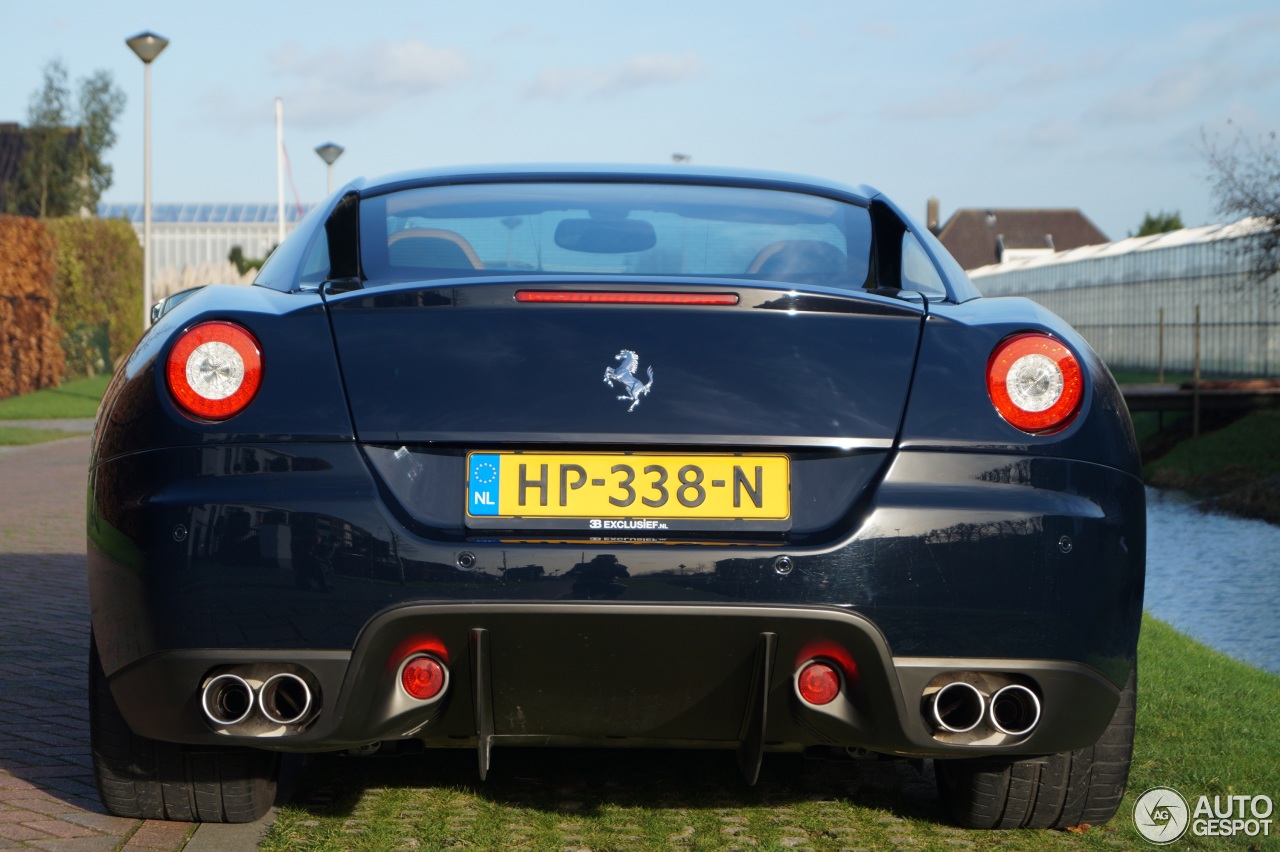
[
  {"x": 214, "y": 370},
  {"x": 1035, "y": 383},
  {"x": 819, "y": 683},
  {"x": 423, "y": 677}
]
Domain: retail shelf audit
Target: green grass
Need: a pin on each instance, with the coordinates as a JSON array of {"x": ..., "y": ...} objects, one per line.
[
  {"x": 1251, "y": 442},
  {"x": 19, "y": 436},
  {"x": 74, "y": 399},
  {"x": 1234, "y": 463},
  {"x": 1206, "y": 725}
]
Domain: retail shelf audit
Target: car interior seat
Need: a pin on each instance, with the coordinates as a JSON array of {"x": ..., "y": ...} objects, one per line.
[
  {"x": 431, "y": 248},
  {"x": 787, "y": 259}
]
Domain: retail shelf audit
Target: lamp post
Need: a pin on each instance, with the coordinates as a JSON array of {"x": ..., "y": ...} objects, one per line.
[
  {"x": 147, "y": 46},
  {"x": 329, "y": 152}
]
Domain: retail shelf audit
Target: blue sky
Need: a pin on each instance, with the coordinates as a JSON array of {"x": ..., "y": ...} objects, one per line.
[{"x": 1096, "y": 105}]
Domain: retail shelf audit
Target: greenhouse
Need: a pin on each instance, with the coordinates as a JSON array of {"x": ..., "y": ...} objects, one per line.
[{"x": 1136, "y": 300}]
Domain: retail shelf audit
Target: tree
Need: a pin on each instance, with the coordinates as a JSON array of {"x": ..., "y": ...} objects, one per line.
[
  {"x": 100, "y": 104},
  {"x": 46, "y": 178},
  {"x": 62, "y": 170},
  {"x": 244, "y": 264},
  {"x": 1160, "y": 223},
  {"x": 1245, "y": 179}
]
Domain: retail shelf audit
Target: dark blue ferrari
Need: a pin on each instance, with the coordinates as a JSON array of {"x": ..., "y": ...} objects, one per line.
[{"x": 619, "y": 457}]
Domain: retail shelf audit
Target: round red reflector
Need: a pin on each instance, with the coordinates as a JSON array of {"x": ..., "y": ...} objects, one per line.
[
  {"x": 214, "y": 370},
  {"x": 1035, "y": 383},
  {"x": 819, "y": 683},
  {"x": 422, "y": 678}
]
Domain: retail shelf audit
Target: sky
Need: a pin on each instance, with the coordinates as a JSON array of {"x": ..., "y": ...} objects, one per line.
[{"x": 1103, "y": 106}]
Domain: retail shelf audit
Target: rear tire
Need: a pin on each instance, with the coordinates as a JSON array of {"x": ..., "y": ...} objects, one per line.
[
  {"x": 1056, "y": 791},
  {"x": 142, "y": 778}
]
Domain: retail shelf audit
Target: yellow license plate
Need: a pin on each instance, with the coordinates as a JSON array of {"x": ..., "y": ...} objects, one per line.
[{"x": 604, "y": 486}]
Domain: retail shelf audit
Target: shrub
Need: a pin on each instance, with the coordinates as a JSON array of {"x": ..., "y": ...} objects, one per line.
[
  {"x": 30, "y": 342},
  {"x": 98, "y": 285}
]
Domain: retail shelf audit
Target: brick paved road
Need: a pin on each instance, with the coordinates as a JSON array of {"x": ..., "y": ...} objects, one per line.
[{"x": 47, "y": 797}]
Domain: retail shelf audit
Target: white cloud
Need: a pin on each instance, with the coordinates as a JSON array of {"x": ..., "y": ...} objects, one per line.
[
  {"x": 992, "y": 53},
  {"x": 834, "y": 116},
  {"x": 883, "y": 30},
  {"x": 1210, "y": 62},
  {"x": 1184, "y": 88},
  {"x": 947, "y": 103},
  {"x": 335, "y": 86},
  {"x": 517, "y": 34},
  {"x": 638, "y": 72},
  {"x": 1044, "y": 135}
]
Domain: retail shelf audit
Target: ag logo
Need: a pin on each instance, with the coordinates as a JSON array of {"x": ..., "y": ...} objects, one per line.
[{"x": 1161, "y": 815}]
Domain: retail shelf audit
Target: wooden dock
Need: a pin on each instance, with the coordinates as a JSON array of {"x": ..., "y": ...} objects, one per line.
[{"x": 1215, "y": 395}]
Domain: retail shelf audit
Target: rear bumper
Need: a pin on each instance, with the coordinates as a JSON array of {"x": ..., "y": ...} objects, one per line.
[
  {"x": 297, "y": 547},
  {"x": 984, "y": 565},
  {"x": 618, "y": 675}
]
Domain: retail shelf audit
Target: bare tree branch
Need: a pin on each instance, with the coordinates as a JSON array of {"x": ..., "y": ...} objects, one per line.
[{"x": 1245, "y": 178}]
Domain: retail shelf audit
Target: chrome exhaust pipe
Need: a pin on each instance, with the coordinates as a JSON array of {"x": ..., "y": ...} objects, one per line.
[
  {"x": 1015, "y": 710},
  {"x": 285, "y": 699},
  {"x": 227, "y": 699},
  {"x": 957, "y": 707}
]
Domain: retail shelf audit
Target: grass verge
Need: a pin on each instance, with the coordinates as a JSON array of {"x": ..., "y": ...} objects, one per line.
[
  {"x": 77, "y": 399},
  {"x": 1235, "y": 467},
  {"x": 19, "y": 436},
  {"x": 1234, "y": 464},
  {"x": 1206, "y": 725}
]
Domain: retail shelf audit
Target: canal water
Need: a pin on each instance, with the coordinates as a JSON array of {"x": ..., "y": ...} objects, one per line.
[{"x": 1215, "y": 578}]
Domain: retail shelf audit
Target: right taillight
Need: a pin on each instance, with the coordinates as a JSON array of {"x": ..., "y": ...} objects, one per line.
[
  {"x": 214, "y": 370},
  {"x": 1035, "y": 383}
]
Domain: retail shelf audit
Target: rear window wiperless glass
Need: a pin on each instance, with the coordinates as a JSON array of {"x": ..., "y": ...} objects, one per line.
[{"x": 604, "y": 229}]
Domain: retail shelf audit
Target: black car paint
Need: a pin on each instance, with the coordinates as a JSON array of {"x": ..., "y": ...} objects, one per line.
[{"x": 952, "y": 533}]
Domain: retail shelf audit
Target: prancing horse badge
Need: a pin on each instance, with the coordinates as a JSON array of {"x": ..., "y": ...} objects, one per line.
[{"x": 626, "y": 375}]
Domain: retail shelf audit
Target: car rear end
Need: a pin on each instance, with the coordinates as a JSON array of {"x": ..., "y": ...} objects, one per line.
[{"x": 574, "y": 459}]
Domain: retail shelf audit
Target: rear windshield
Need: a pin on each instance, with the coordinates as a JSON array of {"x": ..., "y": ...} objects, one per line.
[{"x": 603, "y": 229}]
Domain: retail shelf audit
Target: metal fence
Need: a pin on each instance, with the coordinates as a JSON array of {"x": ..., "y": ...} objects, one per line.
[{"x": 1135, "y": 301}]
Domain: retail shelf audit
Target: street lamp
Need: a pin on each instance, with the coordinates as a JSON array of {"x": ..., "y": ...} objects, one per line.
[
  {"x": 329, "y": 152},
  {"x": 147, "y": 46}
]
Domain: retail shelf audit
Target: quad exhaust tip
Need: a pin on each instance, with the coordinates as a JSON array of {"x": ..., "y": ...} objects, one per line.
[
  {"x": 285, "y": 699},
  {"x": 1015, "y": 710},
  {"x": 227, "y": 699},
  {"x": 280, "y": 699},
  {"x": 957, "y": 708}
]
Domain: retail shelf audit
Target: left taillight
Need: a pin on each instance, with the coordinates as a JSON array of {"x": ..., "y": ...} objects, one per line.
[
  {"x": 1035, "y": 383},
  {"x": 214, "y": 370}
]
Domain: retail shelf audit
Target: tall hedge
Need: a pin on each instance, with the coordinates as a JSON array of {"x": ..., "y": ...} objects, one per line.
[
  {"x": 30, "y": 341},
  {"x": 98, "y": 285}
]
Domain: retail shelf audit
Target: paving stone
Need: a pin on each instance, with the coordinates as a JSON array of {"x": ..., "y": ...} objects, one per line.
[
  {"x": 39, "y": 804},
  {"x": 97, "y": 843},
  {"x": 47, "y": 779},
  {"x": 60, "y": 828},
  {"x": 18, "y": 831},
  {"x": 156, "y": 835},
  {"x": 98, "y": 822}
]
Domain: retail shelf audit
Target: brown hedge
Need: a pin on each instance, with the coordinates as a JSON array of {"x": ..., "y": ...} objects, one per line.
[
  {"x": 98, "y": 285},
  {"x": 30, "y": 342}
]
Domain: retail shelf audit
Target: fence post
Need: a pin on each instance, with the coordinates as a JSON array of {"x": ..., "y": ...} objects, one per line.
[
  {"x": 1195, "y": 384},
  {"x": 1160, "y": 350}
]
